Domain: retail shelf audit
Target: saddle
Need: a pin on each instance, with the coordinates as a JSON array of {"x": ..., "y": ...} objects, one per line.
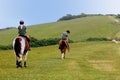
[{"x": 26, "y": 37}]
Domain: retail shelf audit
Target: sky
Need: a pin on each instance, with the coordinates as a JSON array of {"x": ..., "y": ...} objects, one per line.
[{"x": 46, "y": 11}]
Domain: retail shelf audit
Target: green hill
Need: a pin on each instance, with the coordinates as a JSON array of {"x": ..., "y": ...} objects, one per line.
[
  {"x": 81, "y": 29},
  {"x": 85, "y": 61}
]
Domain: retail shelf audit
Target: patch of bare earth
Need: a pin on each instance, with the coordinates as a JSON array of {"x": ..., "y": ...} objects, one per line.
[
  {"x": 105, "y": 65},
  {"x": 73, "y": 65}
]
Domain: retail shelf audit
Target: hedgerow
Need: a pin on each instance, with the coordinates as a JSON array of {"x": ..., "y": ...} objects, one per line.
[{"x": 37, "y": 43}]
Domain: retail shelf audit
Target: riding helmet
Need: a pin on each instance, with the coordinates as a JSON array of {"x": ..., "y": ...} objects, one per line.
[
  {"x": 68, "y": 31},
  {"x": 21, "y": 22}
]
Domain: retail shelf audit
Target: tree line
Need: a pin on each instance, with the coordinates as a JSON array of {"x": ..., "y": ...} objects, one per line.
[{"x": 70, "y": 16}]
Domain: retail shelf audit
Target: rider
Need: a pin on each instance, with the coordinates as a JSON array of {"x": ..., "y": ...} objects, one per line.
[
  {"x": 65, "y": 38},
  {"x": 22, "y": 31}
]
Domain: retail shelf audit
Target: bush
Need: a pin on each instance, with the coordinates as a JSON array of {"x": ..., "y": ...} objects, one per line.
[
  {"x": 97, "y": 39},
  {"x": 37, "y": 43},
  {"x": 6, "y": 47},
  {"x": 118, "y": 16},
  {"x": 45, "y": 42},
  {"x": 69, "y": 17}
]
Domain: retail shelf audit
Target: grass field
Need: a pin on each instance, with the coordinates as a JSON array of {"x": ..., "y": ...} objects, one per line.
[{"x": 85, "y": 61}]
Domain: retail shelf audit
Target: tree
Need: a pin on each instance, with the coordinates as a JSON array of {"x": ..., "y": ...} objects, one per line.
[{"x": 118, "y": 16}]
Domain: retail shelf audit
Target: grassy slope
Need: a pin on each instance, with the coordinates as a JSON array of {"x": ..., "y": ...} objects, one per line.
[
  {"x": 81, "y": 29},
  {"x": 86, "y": 61}
]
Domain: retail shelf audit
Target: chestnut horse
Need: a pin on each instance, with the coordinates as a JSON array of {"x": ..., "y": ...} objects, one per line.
[
  {"x": 63, "y": 46},
  {"x": 20, "y": 46}
]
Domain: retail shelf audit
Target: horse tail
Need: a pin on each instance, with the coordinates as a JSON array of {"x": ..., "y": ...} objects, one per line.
[
  {"x": 65, "y": 44},
  {"x": 17, "y": 46}
]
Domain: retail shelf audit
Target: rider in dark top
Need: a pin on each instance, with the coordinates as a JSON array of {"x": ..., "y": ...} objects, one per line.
[{"x": 22, "y": 31}]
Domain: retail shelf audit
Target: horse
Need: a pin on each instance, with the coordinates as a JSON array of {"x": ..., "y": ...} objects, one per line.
[
  {"x": 63, "y": 46},
  {"x": 21, "y": 47}
]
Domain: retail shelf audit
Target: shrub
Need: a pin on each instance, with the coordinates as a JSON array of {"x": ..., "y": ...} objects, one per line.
[
  {"x": 6, "y": 47},
  {"x": 37, "y": 43},
  {"x": 45, "y": 42},
  {"x": 97, "y": 39}
]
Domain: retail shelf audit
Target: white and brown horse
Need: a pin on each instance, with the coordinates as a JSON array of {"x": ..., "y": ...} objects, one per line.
[
  {"x": 63, "y": 46},
  {"x": 20, "y": 46}
]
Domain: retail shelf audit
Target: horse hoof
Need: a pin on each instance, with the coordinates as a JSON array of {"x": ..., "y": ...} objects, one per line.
[
  {"x": 25, "y": 66},
  {"x": 18, "y": 66}
]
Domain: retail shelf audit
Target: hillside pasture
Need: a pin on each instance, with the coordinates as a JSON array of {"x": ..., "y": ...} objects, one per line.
[
  {"x": 85, "y": 61},
  {"x": 81, "y": 29}
]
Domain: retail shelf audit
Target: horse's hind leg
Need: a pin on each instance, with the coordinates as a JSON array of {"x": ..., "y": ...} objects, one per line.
[
  {"x": 19, "y": 61},
  {"x": 63, "y": 56},
  {"x": 16, "y": 60},
  {"x": 19, "y": 64},
  {"x": 25, "y": 59},
  {"x": 25, "y": 64}
]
